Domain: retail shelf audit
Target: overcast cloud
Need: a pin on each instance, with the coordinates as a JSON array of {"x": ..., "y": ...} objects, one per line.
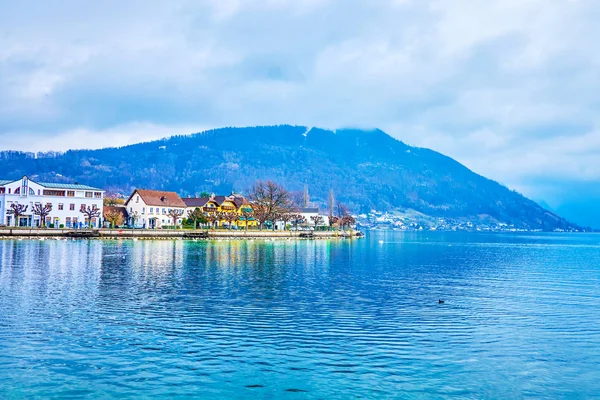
[{"x": 507, "y": 87}]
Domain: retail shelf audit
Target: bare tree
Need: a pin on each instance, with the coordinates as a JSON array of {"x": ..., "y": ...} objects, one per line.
[
  {"x": 347, "y": 221},
  {"x": 260, "y": 214},
  {"x": 114, "y": 217},
  {"x": 90, "y": 212},
  {"x": 344, "y": 217},
  {"x": 43, "y": 211},
  {"x": 17, "y": 210},
  {"x": 305, "y": 197},
  {"x": 331, "y": 205},
  {"x": 175, "y": 214},
  {"x": 211, "y": 218},
  {"x": 285, "y": 218},
  {"x": 272, "y": 198},
  {"x": 231, "y": 217},
  {"x": 317, "y": 220},
  {"x": 298, "y": 219},
  {"x": 247, "y": 213}
]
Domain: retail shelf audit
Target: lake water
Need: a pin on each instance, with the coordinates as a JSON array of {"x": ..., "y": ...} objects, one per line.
[{"x": 336, "y": 319}]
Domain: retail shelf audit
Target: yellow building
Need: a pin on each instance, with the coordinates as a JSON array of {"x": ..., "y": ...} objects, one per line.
[{"x": 217, "y": 207}]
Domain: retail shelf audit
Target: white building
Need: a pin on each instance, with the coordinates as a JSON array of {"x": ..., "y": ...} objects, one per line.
[
  {"x": 150, "y": 209},
  {"x": 66, "y": 200},
  {"x": 308, "y": 215}
]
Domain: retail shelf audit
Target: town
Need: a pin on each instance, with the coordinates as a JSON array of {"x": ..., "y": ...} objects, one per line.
[{"x": 26, "y": 203}]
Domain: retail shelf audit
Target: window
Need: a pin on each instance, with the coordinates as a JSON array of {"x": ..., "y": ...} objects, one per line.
[
  {"x": 143, "y": 210},
  {"x": 60, "y": 206},
  {"x": 97, "y": 195},
  {"x": 151, "y": 210},
  {"x": 137, "y": 199},
  {"x": 60, "y": 193},
  {"x": 164, "y": 210},
  {"x": 88, "y": 194},
  {"x": 18, "y": 190},
  {"x": 39, "y": 192},
  {"x": 71, "y": 193},
  {"x": 72, "y": 206},
  {"x": 2, "y": 190},
  {"x": 8, "y": 190}
]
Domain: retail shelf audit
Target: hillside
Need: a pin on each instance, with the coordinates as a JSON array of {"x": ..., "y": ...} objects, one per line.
[{"x": 366, "y": 169}]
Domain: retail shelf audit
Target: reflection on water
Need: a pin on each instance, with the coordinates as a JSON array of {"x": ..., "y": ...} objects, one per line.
[{"x": 309, "y": 319}]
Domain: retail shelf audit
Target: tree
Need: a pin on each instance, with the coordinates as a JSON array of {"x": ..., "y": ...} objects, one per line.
[
  {"x": 114, "y": 217},
  {"x": 43, "y": 211},
  {"x": 211, "y": 217},
  {"x": 247, "y": 213},
  {"x": 305, "y": 197},
  {"x": 231, "y": 217},
  {"x": 90, "y": 212},
  {"x": 175, "y": 214},
  {"x": 272, "y": 198},
  {"x": 113, "y": 200},
  {"x": 331, "y": 205},
  {"x": 220, "y": 216},
  {"x": 285, "y": 218},
  {"x": 344, "y": 217},
  {"x": 298, "y": 219},
  {"x": 317, "y": 220},
  {"x": 196, "y": 215},
  {"x": 260, "y": 214},
  {"x": 17, "y": 210},
  {"x": 347, "y": 220}
]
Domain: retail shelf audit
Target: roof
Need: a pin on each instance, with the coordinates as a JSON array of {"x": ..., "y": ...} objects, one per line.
[
  {"x": 195, "y": 201},
  {"x": 159, "y": 198},
  {"x": 308, "y": 210},
  {"x": 73, "y": 186},
  {"x": 54, "y": 185},
  {"x": 236, "y": 199}
]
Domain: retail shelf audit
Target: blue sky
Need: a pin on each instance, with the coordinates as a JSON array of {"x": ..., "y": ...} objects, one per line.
[{"x": 507, "y": 87}]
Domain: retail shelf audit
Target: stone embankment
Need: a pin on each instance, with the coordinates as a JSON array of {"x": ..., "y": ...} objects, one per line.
[{"x": 7, "y": 233}]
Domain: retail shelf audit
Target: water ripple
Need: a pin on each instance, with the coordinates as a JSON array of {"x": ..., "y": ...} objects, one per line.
[{"x": 302, "y": 319}]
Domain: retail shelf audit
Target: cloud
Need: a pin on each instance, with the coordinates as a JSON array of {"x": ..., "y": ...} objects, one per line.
[
  {"x": 82, "y": 138},
  {"x": 508, "y": 87}
]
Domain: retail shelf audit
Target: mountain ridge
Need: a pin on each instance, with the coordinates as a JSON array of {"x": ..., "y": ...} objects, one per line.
[{"x": 367, "y": 169}]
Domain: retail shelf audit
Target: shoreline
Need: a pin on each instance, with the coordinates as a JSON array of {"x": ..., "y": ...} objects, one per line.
[{"x": 11, "y": 233}]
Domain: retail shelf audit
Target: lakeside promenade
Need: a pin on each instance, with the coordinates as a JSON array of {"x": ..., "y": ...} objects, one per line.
[{"x": 8, "y": 233}]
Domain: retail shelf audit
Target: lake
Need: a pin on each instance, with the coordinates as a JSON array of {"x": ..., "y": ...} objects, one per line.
[{"x": 325, "y": 319}]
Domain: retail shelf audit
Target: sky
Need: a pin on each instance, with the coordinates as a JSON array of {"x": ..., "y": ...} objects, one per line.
[{"x": 510, "y": 88}]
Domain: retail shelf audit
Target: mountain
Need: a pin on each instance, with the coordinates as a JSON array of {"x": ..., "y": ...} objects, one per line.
[{"x": 366, "y": 169}]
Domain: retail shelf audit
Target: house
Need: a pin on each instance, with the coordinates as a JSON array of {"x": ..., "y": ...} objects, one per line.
[
  {"x": 215, "y": 208},
  {"x": 64, "y": 203},
  {"x": 154, "y": 209}
]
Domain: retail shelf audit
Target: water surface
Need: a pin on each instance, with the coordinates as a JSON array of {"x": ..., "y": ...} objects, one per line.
[{"x": 337, "y": 319}]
